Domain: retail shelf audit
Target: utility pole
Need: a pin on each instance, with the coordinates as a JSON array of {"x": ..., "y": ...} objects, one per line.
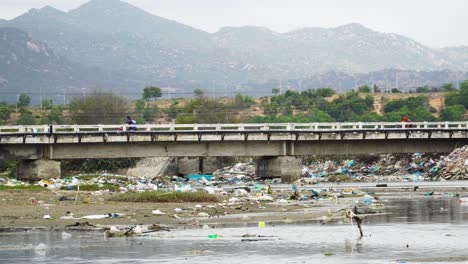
[
  {"x": 212, "y": 90},
  {"x": 225, "y": 89},
  {"x": 396, "y": 80},
  {"x": 40, "y": 95},
  {"x": 64, "y": 97}
]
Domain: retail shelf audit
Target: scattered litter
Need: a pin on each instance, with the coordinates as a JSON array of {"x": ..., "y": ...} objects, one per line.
[
  {"x": 103, "y": 216},
  {"x": 203, "y": 214},
  {"x": 66, "y": 236}
]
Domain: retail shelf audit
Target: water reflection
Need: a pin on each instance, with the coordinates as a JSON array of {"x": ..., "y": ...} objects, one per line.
[
  {"x": 414, "y": 228},
  {"x": 423, "y": 210}
]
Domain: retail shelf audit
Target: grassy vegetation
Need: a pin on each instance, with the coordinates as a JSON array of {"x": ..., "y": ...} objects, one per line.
[
  {"x": 165, "y": 197},
  {"x": 97, "y": 187},
  {"x": 23, "y": 188}
]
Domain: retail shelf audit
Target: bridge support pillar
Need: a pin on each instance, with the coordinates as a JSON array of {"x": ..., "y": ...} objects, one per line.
[
  {"x": 286, "y": 167},
  {"x": 33, "y": 170},
  {"x": 188, "y": 165}
]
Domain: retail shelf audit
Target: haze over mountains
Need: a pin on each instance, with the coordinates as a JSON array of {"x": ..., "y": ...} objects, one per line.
[{"x": 132, "y": 48}]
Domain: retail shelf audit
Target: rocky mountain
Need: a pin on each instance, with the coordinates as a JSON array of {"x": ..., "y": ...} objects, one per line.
[
  {"x": 349, "y": 48},
  {"x": 28, "y": 65},
  {"x": 118, "y": 37}
]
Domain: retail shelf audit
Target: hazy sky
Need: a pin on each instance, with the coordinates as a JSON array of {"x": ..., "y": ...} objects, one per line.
[{"x": 435, "y": 23}]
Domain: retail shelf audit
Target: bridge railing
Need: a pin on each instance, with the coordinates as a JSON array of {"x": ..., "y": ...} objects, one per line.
[{"x": 233, "y": 127}]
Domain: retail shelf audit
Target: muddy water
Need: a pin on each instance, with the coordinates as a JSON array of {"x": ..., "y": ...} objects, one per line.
[{"x": 422, "y": 230}]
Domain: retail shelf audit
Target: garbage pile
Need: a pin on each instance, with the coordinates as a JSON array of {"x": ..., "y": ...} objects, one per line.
[
  {"x": 388, "y": 167},
  {"x": 455, "y": 165},
  {"x": 239, "y": 172}
]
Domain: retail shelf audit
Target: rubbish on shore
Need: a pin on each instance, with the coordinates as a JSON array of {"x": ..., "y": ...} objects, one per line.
[
  {"x": 213, "y": 236},
  {"x": 264, "y": 197},
  {"x": 68, "y": 216},
  {"x": 47, "y": 217},
  {"x": 183, "y": 188},
  {"x": 455, "y": 165},
  {"x": 197, "y": 177},
  {"x": 255, "y": 239},
  {"x": 203, "y": 214},
  {"x": 367, "y": 199},
  {"x": 464, "y": 200},
  {"x": 177, "y": 210},
  {"x": 157, "y": 212},
  {"x": 240, "y": 193},
  {"x": 44, "y": 183},
  {"x": 209, "y": 190},
  {"x": 261, "y": 224},
  {"x": 66, "y": 236},
  {"x": 40, "y": 249},
  {"x": 103, "y": 216}
]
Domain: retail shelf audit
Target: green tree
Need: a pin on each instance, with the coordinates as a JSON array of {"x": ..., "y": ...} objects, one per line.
[
  {"x": 151, "y": 92},
  {"x": 410, "y": 103},
  {"x": 421, "y": 114},
  {"x": 395, "y": 90},
  {"x": 424, "y": 89},
  {"x": 243, "y": 101},
  {"x": 46, "y": 103},
  {"x": 458, "y": 97},
  {"x": 23, "y": 100},
  {"x": 5, "y": 113},
  {"x": 448, "y": 87},
  {"x": 275, "y": 91},
  {"x": 149, "y": 113},
  {"x": 376, "y": 89},
  {"x": 198, "y": 92},
  {"x": 453, "y": 113},
  {"x": 173, "y": 109},
  {"x": 25, "y": 118},
  {"x": 140, "y": 105},
  {"x": 452, "y": 98},
  {"x": 99, "y": 108},
  {"x": 320, "y": 116},
  {"x": 206, "y": 111},
  {"x": 464, "y": 94},
  {"x": 55, "y": 115},
  {"x": 364, "y": 89}
]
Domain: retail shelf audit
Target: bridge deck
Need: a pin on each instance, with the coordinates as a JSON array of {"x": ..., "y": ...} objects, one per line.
[{"x": 231, "y": 132}]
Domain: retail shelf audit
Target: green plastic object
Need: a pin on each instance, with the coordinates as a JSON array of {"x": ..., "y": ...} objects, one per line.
[{"x": 212, "y": 236}]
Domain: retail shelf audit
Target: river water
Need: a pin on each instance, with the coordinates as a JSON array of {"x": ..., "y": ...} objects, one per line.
[{"x": 418, "y": 230}]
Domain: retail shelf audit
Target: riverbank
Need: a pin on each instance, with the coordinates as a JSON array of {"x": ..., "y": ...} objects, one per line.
[{"x": 64, "y": 210}]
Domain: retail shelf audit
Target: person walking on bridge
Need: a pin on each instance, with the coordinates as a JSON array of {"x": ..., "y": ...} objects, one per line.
[
  {"x": 405, "y": 119},
  {"x": 131, "y": 123}
]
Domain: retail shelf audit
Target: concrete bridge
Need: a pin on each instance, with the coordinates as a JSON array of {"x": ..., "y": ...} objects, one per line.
[{"x": 40, "y": 148}]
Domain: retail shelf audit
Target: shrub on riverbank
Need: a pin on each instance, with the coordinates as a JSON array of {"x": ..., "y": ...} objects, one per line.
[
  {"x": 165, "y": 197},
  {"x": 23, "y": 188}
]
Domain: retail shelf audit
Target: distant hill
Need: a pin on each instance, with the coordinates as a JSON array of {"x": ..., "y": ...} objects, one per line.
[
  {"x": 115, "y": 36},
  {"x": 28, "y": 65}
]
